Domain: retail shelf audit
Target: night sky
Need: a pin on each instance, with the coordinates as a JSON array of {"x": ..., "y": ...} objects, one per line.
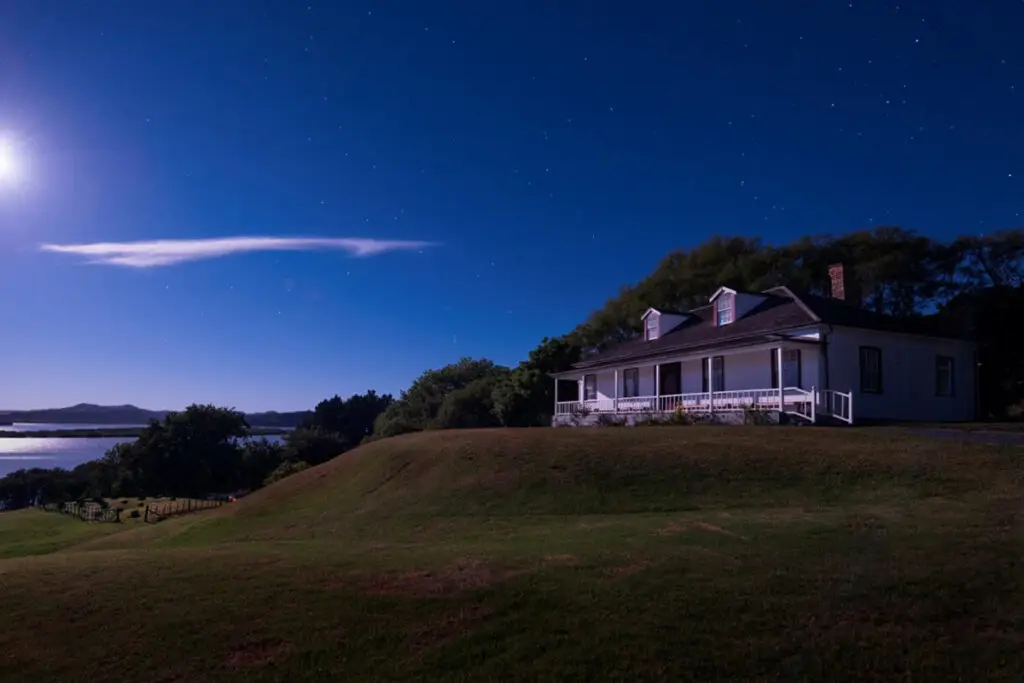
[{"x": 470, "y": 176}]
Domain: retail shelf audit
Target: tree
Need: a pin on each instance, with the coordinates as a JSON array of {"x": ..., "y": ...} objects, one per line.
[
  {"x": 984, "y": 313},
  {"x": 285, "y": 469},
  {"x": 527, "y": 396},
  {"x": 419, "y": 406},
  {"x": 313, "y": 445},
  {"x": 470, "y": 407},
  {"x": 260, "y": 457},
  {"x": 351, "y": 418}
]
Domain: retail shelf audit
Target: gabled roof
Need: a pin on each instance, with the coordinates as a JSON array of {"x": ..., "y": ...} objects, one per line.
[
  {"x": 780, "y": 310},
  {"x": 720, "y": 291},
  {"x": 661, "y": 311}
]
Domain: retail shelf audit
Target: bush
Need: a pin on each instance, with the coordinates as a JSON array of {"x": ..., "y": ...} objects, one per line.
[
  {"x": 755, "y": 415},
  {"x": 286, "y": 469},
  {"x": 681, "y": 417},
  {"x": 312, "y": 446}
]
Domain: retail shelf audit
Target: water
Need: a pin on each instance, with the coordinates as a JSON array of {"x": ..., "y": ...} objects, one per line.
[
  {"x": 16, "y": 454},
  {"x": 40, "y": 426},
  {"x": 28, "y": 452}
]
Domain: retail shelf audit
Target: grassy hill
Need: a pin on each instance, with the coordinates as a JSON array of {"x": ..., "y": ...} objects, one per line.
[{"x": 670, "y": 554}]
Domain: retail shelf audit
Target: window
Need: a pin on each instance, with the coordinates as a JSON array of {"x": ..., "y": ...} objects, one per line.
[
  {"x": 590, "y": 387},
  {"x": 717, "y": 373},
  {"x": 943, "y": 376},
  {"x": 652, "y": 327},
  {"x": 631, "y": 382},
  {"x": 870, "y": 370},
  {"x": 723, "y": 309}
]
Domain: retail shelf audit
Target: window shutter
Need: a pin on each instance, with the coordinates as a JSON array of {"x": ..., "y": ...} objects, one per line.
[
  {"x": 773, "y": 360},
  {"x": 704, "y": 379}
]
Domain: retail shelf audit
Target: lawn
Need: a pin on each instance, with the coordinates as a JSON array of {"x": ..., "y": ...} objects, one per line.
[
  {"x": 36, "y": 532},
  {"x": 660, "y": 554}
]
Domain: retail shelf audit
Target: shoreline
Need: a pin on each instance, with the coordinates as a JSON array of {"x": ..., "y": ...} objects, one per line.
[{"x": 109, "y": 432}]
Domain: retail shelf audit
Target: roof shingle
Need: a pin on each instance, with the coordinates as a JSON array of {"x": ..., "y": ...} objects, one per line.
[{"x": 781, "y": 310}]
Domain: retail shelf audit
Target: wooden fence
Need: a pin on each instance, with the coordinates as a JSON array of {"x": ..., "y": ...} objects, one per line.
[
  {"x": 87, "y": 512},
  {"x": 156, "y": 512}
]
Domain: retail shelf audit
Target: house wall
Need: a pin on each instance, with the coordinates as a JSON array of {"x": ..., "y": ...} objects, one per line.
[
  {"x": 908, "y": 375},
  {"x": 606, "y": 383},
  {"x": 753, "y": 370},
  {"x": 750, "y": 370}
]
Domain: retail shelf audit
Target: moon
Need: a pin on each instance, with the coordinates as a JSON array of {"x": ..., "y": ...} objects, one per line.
[{"x": 10, "y": 168}]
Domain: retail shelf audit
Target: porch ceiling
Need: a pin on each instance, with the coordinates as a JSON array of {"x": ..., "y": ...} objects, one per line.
[{"x": 761, "y": 343}]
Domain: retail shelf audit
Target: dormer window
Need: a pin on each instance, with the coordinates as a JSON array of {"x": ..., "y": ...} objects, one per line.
[
  {"x": 724, "y": 312},
  {"x": 651, "y": 328}
]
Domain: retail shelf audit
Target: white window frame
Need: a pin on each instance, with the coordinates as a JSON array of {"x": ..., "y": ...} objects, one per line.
[
  {"x": 947, "y": 364},
  {"x": 651, "y": 329},
  {"x": 725, "y": 309},
  {"x": 631, "y": 376},
  {"x": 871, "y": 379}
]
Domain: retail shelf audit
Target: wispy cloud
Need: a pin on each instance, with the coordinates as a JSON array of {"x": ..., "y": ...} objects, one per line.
[{"x": 170, "y": 252}]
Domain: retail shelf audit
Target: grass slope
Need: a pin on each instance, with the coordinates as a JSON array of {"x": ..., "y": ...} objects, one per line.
[
  {"x": 34, "y": 532},
  {"x": 669, "y": 554}
]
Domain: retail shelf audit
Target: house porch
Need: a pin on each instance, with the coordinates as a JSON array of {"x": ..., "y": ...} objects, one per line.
[{"x": 777, "y": 378}]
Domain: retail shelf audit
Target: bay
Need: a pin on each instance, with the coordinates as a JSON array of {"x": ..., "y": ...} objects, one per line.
[{"x": 29, "y": 452}]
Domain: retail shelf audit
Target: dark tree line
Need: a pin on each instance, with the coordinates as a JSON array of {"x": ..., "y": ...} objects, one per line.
[
  {"x": 202, "y": 450},
  {"x": 970, "y": 284}
]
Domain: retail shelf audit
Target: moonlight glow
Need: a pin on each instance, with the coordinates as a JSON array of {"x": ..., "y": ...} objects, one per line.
[{"x": 10, "y": 169}]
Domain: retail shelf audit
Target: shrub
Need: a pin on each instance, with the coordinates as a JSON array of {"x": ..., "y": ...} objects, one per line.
[
  {"x": 680, "y": 416},
  {"x": 579, "y": 415},
  {"x": 286, "y": 469},
  {"x": 755, "y": 415}
]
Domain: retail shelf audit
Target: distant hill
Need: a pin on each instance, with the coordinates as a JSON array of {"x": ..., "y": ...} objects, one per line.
[{"x": 87, "y": 413}]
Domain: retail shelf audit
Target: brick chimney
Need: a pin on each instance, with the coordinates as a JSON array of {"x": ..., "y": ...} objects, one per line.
[{"x": 837, "y": 276}]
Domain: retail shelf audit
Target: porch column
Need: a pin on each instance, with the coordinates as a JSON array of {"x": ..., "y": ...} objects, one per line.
[
  {"x": 615, "y": 402},
  {"x": 711, "y": 386},
  {"x": 778, "y": 370},
  {"x": 657, "y": 386}
]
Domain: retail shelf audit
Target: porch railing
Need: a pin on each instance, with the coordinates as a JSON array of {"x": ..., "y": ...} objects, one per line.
[
  {"x": 837, "y": 404},
  {"x": 794, "y": 399}
]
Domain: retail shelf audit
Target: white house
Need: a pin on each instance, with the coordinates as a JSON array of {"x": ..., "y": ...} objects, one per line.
[{"x": 812, "y": 358}]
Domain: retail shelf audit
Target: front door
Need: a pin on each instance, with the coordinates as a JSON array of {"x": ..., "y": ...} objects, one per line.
[
  {"x": 671, "y": 375},
  {"x": 791, "y": 368}
]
